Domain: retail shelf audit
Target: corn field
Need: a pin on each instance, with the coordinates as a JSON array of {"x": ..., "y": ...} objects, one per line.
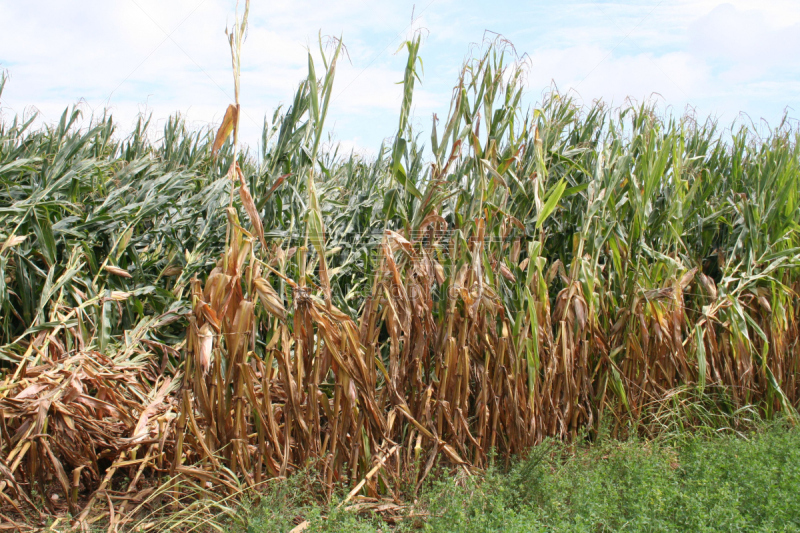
[{"x": 181, "y": 313}]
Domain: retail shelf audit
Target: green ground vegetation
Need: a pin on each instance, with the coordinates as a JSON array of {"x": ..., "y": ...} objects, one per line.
[{"x": 731, "y": 481}]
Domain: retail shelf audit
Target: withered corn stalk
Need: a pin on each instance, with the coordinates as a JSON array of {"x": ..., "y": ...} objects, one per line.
[{"x": 546, "y": 273}]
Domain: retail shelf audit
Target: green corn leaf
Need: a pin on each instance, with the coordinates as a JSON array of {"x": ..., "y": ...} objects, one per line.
[{"x": 550, "y": 202}]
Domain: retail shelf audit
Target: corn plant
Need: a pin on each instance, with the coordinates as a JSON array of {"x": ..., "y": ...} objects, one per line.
[{"x": 530, "y": 273}]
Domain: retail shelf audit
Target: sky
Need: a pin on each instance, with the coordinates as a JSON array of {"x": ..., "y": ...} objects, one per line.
[{"x": 737, "y": 60}]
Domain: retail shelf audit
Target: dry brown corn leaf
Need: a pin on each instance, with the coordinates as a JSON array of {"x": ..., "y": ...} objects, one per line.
[{"x": 225, "y": 129}]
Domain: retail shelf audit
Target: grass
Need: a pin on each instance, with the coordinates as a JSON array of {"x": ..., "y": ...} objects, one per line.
[{"x": 725, "y": 482}]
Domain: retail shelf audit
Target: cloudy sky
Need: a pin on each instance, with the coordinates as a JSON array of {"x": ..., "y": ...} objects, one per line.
[{"x": 163, "y": 56}]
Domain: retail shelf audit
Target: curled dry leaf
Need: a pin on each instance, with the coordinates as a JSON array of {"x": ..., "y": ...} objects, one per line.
[
  {"x": 117, "y": 271},
  {"x": 687, "y": 278},
  {"x": 269, "y": 298},
  {"x": 206, "y": 337},
  {"x": 506, "y": 272},
  {"x": 13, "y": 241},
  {"x": 250, "y": 207},
  {"x": 277, "y": 184},
  {"x": 709, "y": 285},
  {"x": 438, "y": 270},
  {"x": 120, "y": 296},
  {"x": 172, "y": 270},
  {"x": 302, "y": 526},
  {"x": 397, "y": 241},
  {"x": 225, "y": 129}
]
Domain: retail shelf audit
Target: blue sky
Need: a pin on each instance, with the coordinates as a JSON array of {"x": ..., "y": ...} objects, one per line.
[{"x": 163, "y": 56}]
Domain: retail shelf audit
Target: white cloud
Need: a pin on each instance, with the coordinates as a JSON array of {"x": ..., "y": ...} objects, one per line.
[
  {"x": 173, "y": 56},
  {"x": 594, "y": 73},
  {"x": 745, "y": 44},
  {"x": 721, "y": 58}
]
